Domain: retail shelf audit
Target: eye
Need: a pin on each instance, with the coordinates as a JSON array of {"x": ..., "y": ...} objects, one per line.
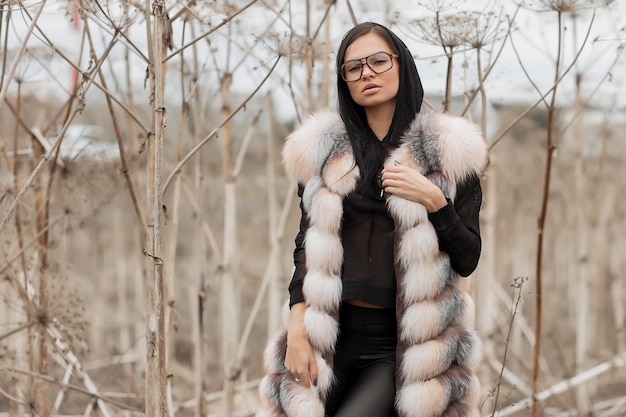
[
  {"x": 351, "y": 67},
  {"x": 379, "y": 59}
]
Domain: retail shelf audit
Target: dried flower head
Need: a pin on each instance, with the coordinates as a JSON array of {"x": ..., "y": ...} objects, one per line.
[
  {"x": 565, "y": 6},
  {"x": 115, "y": 14},
  {"x": 471, "y": 29},
  {"x": 294, "y": 46},
  {"x": 66, "y": 312}
]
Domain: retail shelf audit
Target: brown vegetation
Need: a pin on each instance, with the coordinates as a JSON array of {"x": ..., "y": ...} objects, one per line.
[{"x": 148, "y": 283}]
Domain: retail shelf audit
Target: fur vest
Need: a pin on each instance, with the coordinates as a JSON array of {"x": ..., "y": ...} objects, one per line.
[{"x": 438, "y": 352}]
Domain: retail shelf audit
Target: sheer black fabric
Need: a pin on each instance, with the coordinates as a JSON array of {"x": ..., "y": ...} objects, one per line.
[{"x": 368, "y": 233}]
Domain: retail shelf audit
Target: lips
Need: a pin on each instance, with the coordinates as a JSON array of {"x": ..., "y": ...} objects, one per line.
[{"x": 370, "y": 88}]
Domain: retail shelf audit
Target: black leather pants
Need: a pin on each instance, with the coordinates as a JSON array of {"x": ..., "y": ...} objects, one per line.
[{"x": 364, "y": 364}]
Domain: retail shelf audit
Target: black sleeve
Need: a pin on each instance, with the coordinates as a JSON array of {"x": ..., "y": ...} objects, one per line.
[
  {"x": 457, "y": 227},
  {"x": 299, "y": 257}
]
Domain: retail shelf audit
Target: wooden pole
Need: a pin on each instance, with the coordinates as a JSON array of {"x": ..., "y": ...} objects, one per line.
[
  {"x": 275, "y": 290},
  {"x": 230, "y": 305},
  {"x": 156, "y": 380}
]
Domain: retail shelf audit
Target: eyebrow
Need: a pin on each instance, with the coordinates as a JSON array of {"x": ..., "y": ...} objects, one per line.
[{"x": 368, "y": 55}]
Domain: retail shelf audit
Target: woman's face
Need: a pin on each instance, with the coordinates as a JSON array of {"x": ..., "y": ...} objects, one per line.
[{"x": 373, "y": 90}]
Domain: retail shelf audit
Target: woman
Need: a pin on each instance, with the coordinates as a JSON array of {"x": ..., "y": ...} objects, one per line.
[{"x": 378, "y": 323}]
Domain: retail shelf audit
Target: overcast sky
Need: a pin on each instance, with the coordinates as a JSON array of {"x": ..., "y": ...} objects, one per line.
[{"x": 534, "y": 37}]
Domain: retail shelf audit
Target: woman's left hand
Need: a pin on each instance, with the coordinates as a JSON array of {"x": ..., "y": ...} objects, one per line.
[{"x": 408, "y": 183}]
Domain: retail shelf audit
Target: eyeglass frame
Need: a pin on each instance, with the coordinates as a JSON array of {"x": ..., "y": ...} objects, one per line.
[{"x": 360, "y": 61}]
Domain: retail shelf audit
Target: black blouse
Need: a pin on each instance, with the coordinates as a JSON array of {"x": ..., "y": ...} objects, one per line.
[{"x": 367, "y": 234}]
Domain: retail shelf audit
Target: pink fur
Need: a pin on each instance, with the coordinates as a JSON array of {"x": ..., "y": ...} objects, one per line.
[
  {"x": 418, "y": 244},
  {"x": 462, "y": 145},
  {"x": 422, "y": 281},
  {"x": 467, "y": 319},
  {"x": 425, "y": 361},
  {"x": 403, "y": 157},
  {"x": 473, "y": 361},
  {"x": 422, "y": 399},
  {"x": 421, "y": 322},
  {"x": 318, "y": 155},
  {"x": 306, "y": 146},
  {"x": 301, "y": 401},
  {"x": 406, "y": 213},
  {"x": 326, "y": 210},
  {"x": 342, "y": 175}
]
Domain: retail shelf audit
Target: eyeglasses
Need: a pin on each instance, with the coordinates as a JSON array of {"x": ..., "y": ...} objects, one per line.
[{"x": 379, "y": 62}]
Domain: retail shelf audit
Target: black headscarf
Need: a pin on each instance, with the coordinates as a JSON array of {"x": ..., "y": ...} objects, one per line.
[{"x": 369, "y": 151}]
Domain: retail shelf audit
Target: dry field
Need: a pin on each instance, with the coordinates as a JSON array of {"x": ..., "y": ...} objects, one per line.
[{"x": 95, "y": 270}]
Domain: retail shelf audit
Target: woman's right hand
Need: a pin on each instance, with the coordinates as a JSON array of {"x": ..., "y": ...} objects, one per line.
[{"x": 299, "y": 360}]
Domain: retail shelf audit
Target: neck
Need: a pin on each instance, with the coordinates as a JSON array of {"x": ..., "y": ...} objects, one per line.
[{"x": 379, "y": 118}]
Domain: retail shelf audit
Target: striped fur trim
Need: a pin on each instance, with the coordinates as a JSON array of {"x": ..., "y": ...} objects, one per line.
[{"x": 438, "y": 350}]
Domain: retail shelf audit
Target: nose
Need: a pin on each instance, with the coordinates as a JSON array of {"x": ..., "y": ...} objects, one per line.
[{"x": 366, "y": 71}]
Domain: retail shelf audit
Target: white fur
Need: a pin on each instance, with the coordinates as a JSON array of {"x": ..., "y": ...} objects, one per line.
[
  {"x": 299, "y": 401},
  {"x": 343, "y": 177},
  {"x": 323, "y": 251},
  {"x": 421, "y": 322},
  {"x": 406, "y": 213},
  {"x": 473, "y": 361},
  {"x": 422, "y": 282},
  {"x": 266, "y": 392},
  {"x": 425, "y": 361},
  {"x": 418, "y": 244},
  {"x": 326, "y": 210},
  {"x": 307, "y": 147},
  {"x": 325, "y": 376},
  {"x": 271, "y": 354},
  {"x": 422, "y": 399},
  {"x": 472, "y": 396},
  {"x": 310, "y": 190},
  {"x": 462, "y": 145},
  {"x": 402, "y": 156},
  {"x": 321, "y": 328},
  {"x": 318, "y": 155},
  {"x": 322, "y": 291},
  {"x": 469, "y": 313}
]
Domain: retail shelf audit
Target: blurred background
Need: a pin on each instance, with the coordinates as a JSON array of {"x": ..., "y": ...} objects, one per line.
[{"x": 147, "y": 226}]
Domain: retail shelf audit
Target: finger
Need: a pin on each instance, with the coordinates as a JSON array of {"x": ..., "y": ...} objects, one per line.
[
  {"x": 301, "y": 376},
  {"x": 304, "y": 380},
  {"x": 313, "y": 372}
]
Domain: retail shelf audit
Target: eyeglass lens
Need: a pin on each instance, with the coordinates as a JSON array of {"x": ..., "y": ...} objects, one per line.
[{"x": 378, "y": 63}]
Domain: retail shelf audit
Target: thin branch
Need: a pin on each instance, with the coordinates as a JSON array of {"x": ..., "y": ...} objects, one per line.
[
  {"x": 562, "y": 386},
  {"x": 71, "y": 387},
  {"x": 33, "y": 240},
  {"x": 86, "y": 83},
  {"x": 484, "y": 76},
  {"x": 517, "y": 286},
  {"x": 120, "y": 144},
  {"x": 215, "y": 131},
  {"x": 199, "y": 38},
  {"x": 18, "y": 329},
  {"x": 246, "y": 141},
  {"x": 351, "y": 12},
  {"x": 266, "y": 280},
  {"x": 20, "y": 53}
]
